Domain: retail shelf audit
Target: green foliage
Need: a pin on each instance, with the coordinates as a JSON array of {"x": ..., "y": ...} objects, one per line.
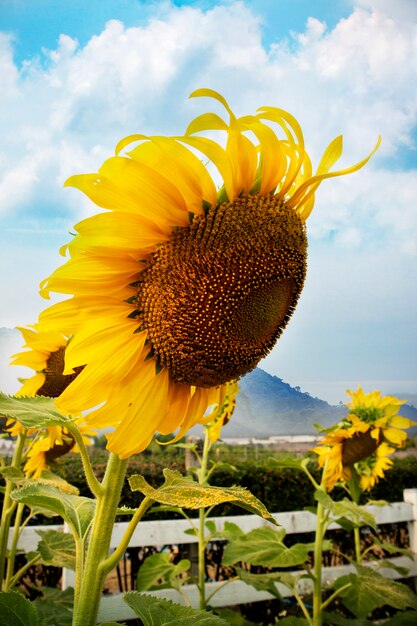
[
  {"x": 234, "y": 618},
  {"x": 369, "y": 590},
  {"x": 15, "y": 610},
  {"x": 265, "y": 546},
  {"x": 32, "y": 412},
  {"x": 57, "y": 548},
  {"x": 346, "y": 509},
  {"x": 158, "y": 572},
  {"x": 55, "y": 606},
  {"x": 282, "y": 489},
  {"x": 184, "y": 492},
  {"x": 157, "y": 612},
  {"x": 77, "y": 511}
]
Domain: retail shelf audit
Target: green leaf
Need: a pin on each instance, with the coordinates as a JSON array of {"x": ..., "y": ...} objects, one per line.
[
  {"x": 158, "y": 572},
  {"x": 15, "y": 610},
  {"x": 55, "y": 606},
  {"x": 288, "y": 462},
  {"x": 393, "y": 549},
  {"x": 32, "y": 412},
  {"x": 57, "y": 548},
  {"x": 154, "y": 571},
  {"x": 261, "y": 582},
  {"x": 335, "y": 619},
  {"x": 158, "y": 612},
  {"x": 293, "y": 621},
  {"x": 231, "y": 531},
  {"x": 264, "y": 546},
  {"x": 369, "y": 590},
  {"x": 184, "y": 492},
  {"x": 235, "y": 618},
  {"x": 211, "y": 527},
  {"x": 77, "y": 511},
  {"x": 50, "y": 478},
  {"x": 347, "y": 509},
  {"x": 405, "y": 618},
  {"x": 112, "y": 624},
  {"x": 13, "y": 474}
]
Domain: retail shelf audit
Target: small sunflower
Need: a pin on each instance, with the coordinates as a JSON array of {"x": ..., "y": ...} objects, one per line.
[
  {"x": 363, "y": 440},
  {"x": 52, "y": 443},
  {"x": 45, "y": 354},
  {"x": 180, "y": 287},
  {"x": 221, "y": 415}
]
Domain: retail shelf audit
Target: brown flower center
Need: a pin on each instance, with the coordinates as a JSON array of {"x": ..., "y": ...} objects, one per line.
[
  {"x": 55, "y": 382},
  {"x": 60, "y": 449},
  {"x": 216, "y": 297},
  {"x": 358, "y": 448}
]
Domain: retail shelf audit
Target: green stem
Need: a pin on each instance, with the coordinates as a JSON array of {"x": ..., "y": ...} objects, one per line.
[
  {"x": 13, "y": 547},
  {"x": 95, "y": 486},
  {"x": 79, "y": 569},
  {"x": 111, "y": 562},
  {"x": 85, "y": 613},
  {"x": 23, "y": 569},
  {"x": 357, "y": 536},
  {"x": 202, "y": 478},
  {"x": 318, "y": 554},
  {"x": 9, "y": 506},
  {"x": 334, "y": 595},
  {"x": 224, "y": 584},
  {"x": 302, "y": 607}
]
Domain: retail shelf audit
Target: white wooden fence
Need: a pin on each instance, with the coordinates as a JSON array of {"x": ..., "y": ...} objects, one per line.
[{"x": 161, "y": 533}]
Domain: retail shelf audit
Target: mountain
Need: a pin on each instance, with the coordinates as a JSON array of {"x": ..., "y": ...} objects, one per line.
[{"x": 266, "y": 406}]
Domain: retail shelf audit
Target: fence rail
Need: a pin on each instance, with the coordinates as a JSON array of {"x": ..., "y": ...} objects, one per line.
[{"x": 161, "y": 533}]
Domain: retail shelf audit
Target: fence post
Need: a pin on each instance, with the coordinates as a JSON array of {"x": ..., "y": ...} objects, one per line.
[{"x": 410, "y": 496}]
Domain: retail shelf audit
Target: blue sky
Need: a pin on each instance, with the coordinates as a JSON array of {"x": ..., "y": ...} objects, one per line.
[{"x": 75, "y": 77}]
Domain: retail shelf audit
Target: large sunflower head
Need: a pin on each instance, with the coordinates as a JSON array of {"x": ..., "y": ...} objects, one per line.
[
  {"x": 182, "y": 286},
  {"x": 362, "y": 441}
]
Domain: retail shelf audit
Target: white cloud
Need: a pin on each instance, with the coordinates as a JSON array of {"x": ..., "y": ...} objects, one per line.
[{"x": 63, "y": 113}]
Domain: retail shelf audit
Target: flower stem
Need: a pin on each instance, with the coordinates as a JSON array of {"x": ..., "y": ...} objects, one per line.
[
  {"x": 357, "y": 536},
  {"x": 95, "y": 486},
  {"x": 9, "y": 507},
  {"x": 318, "y": 554},
  {"x": 13, "y": 547},
  {"x": 85, "y": 612},
  {"x": 202, "y": 478}
]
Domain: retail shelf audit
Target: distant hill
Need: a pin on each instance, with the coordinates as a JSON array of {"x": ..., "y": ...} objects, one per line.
[{"x": 266, "y": 406}]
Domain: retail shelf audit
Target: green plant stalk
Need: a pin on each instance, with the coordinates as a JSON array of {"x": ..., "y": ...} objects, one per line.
[
  {"x": 202, "y": 478},
  {"x": 9, "y": 506},
  {"x": 79, "y": 568},
  {"x": 24, "y": 569},
  {"x": 317, "y": 570},
  {"x": 13, "y": 547},
  {"x": 85, "y": 613},
  {"x": 95, "y": 486},
  {"x": 111, "y": 562},
  {"x": 357, "y": 536}
]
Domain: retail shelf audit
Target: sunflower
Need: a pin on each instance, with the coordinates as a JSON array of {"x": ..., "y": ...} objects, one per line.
[
  {"x": 180, "y": 287},
  {"x": 45, "y": 354},
  {"x": 221, "y": 415},
  {"x": 52, "y": 443},
  {"x": 363, "y": 440}
]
